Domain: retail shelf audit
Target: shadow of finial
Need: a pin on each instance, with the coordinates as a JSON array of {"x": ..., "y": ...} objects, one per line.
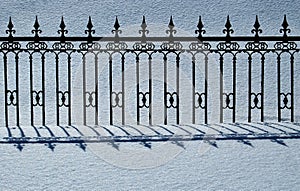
[
  {"x": 10, "y": 30},
  {"x": 285, "y": 28},
  {"x": 82, "y": 146},
  {"x": 228, "y": 30},
  {"x": 200, "y": 29},
  {"x": 36, "y": 29},
  {"x": 256, "y": 29},
  {"x": 62, "y": 26},
  {"x": 89, "y": 26},
  {"x": 50, "y": 146},
  {"x": 19, "y": 146}
]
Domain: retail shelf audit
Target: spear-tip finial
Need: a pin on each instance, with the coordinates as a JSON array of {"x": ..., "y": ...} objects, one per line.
[{"x": 117, "y": 25}]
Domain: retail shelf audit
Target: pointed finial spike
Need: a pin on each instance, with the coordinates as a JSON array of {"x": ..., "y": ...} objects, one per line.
[
  {"x": 228, "y": 24},
  {"x": 10, "y": 24},
  {"x": 171, "y": 23},
  {"x": 36, "y": 23},
  {"x": 285, "y": 23},
  {"x": 117, "y": 25},
  {"x": 62, "y": 23},
  {"x": 90, "y": 24},
  {"x": 144, "y": 25}
]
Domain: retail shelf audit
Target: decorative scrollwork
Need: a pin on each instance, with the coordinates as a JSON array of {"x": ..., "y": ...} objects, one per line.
[
  {"x": 11, "y": 95},
  {"x": 285, "y": 101},
  {"x": 143, "y": 46},
  {"x": 171, "y": 46},
  {"x": 116, "y": 46},
  {"x": 90, "y": 46},
  {"x": 172, "y": 97},
  {"x": 199, "y": 46},
  {"x": 256, "y": 101},
  {"x": 117, "y": 99},
  {"x": 64, "y": 98},
  {"x": 144, "y": 99},
  {"x": 285, "y": 45},
  {"x": 256, "y": 46},
  {"x": 37, "y": 97},
  {"x": 228, "y": 46},
  {"x": 90, "y": 98},
  {"x": 200, "y": 97},
  {"x": 10, "y": 45},
  {"x": 36, "y": 46},
  {"x": 62, "y": 46},
  {"x": 227, "y": 102}
]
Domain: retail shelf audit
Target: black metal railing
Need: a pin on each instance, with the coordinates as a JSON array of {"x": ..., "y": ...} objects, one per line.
[{"x": 21, "y": 53}]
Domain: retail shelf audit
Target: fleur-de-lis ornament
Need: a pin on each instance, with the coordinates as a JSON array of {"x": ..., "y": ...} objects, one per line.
[
  {"x": 171, "y": 30},
  {"x": 200, "y": 29},
  {"x": 228, "y": 30},
  {"x": 89, "y": 26},
  {"x": 285, "y": 28},
  {"x": 256, "y": 29},
  {"x": 36, "y": 31},
  {"x": 10, "y": 31},
  {"x": 62, "y": 27}
]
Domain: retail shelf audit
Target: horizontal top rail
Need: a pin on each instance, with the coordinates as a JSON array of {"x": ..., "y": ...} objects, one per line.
[{"x": 155, "y": 39}]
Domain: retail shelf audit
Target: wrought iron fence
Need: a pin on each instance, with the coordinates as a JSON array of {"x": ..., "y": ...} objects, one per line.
[{"x": 36, "y": 49}]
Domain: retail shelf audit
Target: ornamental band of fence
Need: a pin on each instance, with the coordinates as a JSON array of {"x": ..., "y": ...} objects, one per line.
[{"x": 20, "y": 53}]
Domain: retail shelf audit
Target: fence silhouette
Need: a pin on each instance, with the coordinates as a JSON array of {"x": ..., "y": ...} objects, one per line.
[{"x": 36, "y": 49}]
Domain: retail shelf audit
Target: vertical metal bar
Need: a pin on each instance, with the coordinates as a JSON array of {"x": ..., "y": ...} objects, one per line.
[
  {"x": 278, "y": 88},
  {"x": 5, "y": 89},
  {"x": 262, "y": 86},
  {"x": 150, "y": 89},
  {"x": 137, "y": 90},
  {"x": 249, "y": 86},
  {"x": 69, "y": 90},
  {"x": 206, "y": 90},
  {"x": 177, "y": 88},
  {"x": 110, "y": 91},
  {"x": 84, "y": 88},
  {"x": 17, "y": 90},
  {"x": 234, "y": 89},
  {"x": 96, "y": 89},
  {"x": 221, "y": 88},
  {"x": 31, "y": 90},
  {"x": 57, "y": 88},
  {"x": 292, "y": 88},
  {"x": 193, "y": 88},
  {"x": 123, "y": 89},
  {"x": 165, "y": 90},
  {"x": 43, "y": 91}
]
